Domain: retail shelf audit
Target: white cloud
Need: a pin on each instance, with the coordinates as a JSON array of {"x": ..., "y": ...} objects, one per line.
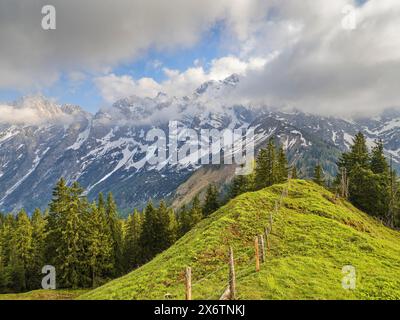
[
  {"x": 34, "y": 110},
  {"x": 95, "y": 34},
  {"x": 177, "y": 83},
  {"x": 299, "y": 56},
  {"x": 10, "y": 114},
  {"x": 324, "y": 68}
]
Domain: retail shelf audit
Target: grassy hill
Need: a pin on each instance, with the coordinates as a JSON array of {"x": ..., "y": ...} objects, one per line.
[{"x": 313, "y": 237}]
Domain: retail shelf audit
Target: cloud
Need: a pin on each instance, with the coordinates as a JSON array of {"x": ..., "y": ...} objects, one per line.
[
  {"x": 291, "y": 53},
  {"x": 92, "y": 35},
  {"x": 34, "y": 110},
  {"x": 10, "y": 114},
  {"x": 177, "y": 83},
  {"x": 322, "y": 67}
]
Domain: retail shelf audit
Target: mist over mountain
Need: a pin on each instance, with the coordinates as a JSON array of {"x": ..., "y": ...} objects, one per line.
[{"x": 102, "y": 151}]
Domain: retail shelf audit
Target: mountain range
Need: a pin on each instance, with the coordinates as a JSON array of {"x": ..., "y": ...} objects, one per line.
[{"x": 102, "y": 151}]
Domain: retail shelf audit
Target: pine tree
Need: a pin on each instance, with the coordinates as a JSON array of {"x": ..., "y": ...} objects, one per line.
[
  {"x": 369, "y": 192},
  {"x": 238, "y": 186},
  {"x": 294, "y": 172},
  {"x": 282, "y": 170},
  {"x": 211, "y": 203},
  {"x": 261, "y": 170},
  {"x": 368, "y": 177},
  {"x": 378, "y": 163},
  {"x": 115, "y": 231},
  {"x": 65, "y": 243},
  {"x": 23, "y": 245},
  {"x": 39, "y": 234},
  {"x": 132, "y": 248},
  {"x": 319, "y": 175},
  {"x": 98, "y": 245},
  {"x": 358, "y": 155},
  {"x": 148, "y": 235},
  {"x": 4, "y": 275},
  {"x": 196, "y": 212},
  {"x": 7, "y": 251},
  {"x": 173, "y": 227},
  {"x": 184, "y": 222},
  {"x": 164, "y": 237}
]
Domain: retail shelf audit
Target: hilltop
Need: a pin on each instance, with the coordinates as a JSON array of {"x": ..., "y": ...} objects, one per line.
[{"x": 314, "y": 236}]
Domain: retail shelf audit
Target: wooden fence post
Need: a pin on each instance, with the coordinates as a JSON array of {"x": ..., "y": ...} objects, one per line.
[
  {"x": 267, "y": 239},
  {"x": 232, "y": 276},
  {"x": 257, "y": 254},
  {"x": 188, "y": 278},
  {"x": 270, "y": 222},
  {"x": 262, "y": 244}
]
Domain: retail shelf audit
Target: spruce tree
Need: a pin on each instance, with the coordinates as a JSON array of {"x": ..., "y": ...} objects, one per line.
[
  {"x": 261, "y": 170},
  {"x": 39, "y": 234},
  {"x": 173, "y": 227},
  {"x": 196, "y": 212},
  {"x": 294, "y": 172},
  {"x": 115, "y": 232},
  {"x": 23, "y": 246},
  {"x": 358, "y": 155},
  {"x": 211, "y": 202},
  {"x": 318, "y": 177},
  {"x": 238, "y": 186},
  {"x": 378, "y": 163},
  {"x": 164, "y": 237},
  {"x": 132, "y": 247},
  {"x": 148, "y": 235},
  {"x": 282, "y": 171},
  {"x": 98, "y": 245},
  {"x": 65, "y": 243},
  {"x": 184, "y": 222},
  {"x": 369, "y": 177}
]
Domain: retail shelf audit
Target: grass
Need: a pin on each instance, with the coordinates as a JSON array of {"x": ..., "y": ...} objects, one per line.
[
  {"x": 313, "y": 237},
  {"x": 44, "y": 295}
]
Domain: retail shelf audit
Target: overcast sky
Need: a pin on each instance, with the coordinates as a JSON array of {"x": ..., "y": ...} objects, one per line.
[{"x": 301, "y": 54}]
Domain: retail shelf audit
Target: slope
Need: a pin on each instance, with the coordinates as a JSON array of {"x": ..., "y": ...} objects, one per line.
[{"x": 313, "y": 237}]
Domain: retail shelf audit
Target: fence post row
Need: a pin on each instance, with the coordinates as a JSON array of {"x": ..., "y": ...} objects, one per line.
[{"x": 259, "y": 241}]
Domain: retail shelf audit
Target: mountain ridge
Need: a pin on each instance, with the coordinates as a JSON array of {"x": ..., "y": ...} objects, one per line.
[{"x": 100, "y": 150}]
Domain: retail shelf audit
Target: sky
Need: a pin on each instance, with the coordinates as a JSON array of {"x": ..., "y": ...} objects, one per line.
[{"x": 329, "y": 57}]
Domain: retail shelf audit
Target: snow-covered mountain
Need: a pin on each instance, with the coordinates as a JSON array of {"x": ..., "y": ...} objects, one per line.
[{"x": 104, "y": 152}]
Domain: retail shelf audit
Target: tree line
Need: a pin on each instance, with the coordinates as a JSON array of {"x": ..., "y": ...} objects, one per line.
[
  {"x": 270, "y": 167},
  {"x": 367, "y": 179},
  {"x": 87, "y": 242},
  {"x": 370, "y": 181}
]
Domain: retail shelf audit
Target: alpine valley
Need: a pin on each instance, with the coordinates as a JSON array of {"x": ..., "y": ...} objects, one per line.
[{"x": 100, "y": 151}]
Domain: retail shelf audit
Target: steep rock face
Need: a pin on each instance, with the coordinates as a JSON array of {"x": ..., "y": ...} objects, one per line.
[{"x": 104, "y": 152}]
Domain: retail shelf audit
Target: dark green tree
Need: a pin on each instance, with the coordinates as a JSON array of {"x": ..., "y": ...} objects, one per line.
[
  {"x": 318, "y": 177},
  {"x": 378, "y": 162},
  {"x": 211, "y": 203},
  {"x": 39, "y": 234},
  {"x": 282, "y": 168},
  {"x": 294, "y": 172},
  {"x": 132, "y": 247},
  {"x": 115, "y": 232}
]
